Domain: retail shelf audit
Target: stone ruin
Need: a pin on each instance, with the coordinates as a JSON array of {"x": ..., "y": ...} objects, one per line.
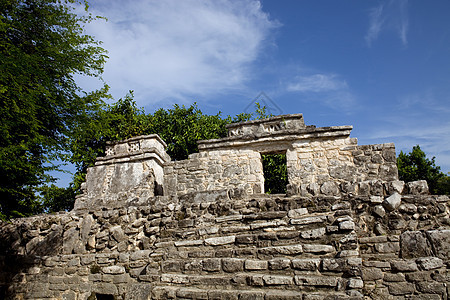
[{"x": 147, "y": 227}]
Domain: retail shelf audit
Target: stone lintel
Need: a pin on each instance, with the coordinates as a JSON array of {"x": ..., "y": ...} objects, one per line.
[
  {"x": 151, "y": 153},
  {"x": 135, "y": 148},
  {"x": 281, "y": 136}
]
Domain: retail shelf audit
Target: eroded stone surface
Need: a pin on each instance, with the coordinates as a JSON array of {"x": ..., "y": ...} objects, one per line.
[{"x": 150, "y": 228}]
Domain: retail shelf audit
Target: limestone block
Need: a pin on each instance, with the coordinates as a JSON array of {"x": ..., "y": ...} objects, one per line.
[
  {"x": 395, "y": 186},
  {"x": 279, "y": 264},
  {"x": 440, "y": 240},
  {"x": 287, "y": 250},
  {"x": 277, "y": 280},
  {"x": 232, "y": 265},
  {"x": 347, "y": 225},
  {"x": 313, "y": 248},
  {"x": 371, "y": 274},
  {"x": 414, "y": 244},
  {"x": 419, "y": 187},
  {"x": 404, "y": 266},
  {"x": 392, "y": 202},
  {"x": 329, "y": 188},
  {"x": 253, "y": 265},
  {"x": 212, "y": 264},
  {"x": 222, "y": 240},
  {"x": 431, "y": 287},
  {"x": 314, "y": 233},
  {"x": 379, "y": 211},
  {"x": 70, "y": 239},
  {"x": 430, "y": 263},
  {"x": 308, "y": 220},
  {"x": 113, "y": 270},
  {"x": 312, "y": 280},
  {"x": 310, "y": 264}
]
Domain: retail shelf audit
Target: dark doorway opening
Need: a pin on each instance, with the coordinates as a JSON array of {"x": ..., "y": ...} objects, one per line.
[
  {"x": 275, "y": 173},
  {"x": 104, "y": 297}
]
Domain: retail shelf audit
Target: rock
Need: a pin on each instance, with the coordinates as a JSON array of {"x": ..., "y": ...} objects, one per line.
[
  {"x": 329, "y": 188},
  {"x": 113, "y": 270},
  {"x": 313, "y": 233},
  {"x": 279, "y": 264},
  {"x": 277, "y": 280},
  {"x": 414, "y": 244},
  {"x": 404, "y": 266},
  {"x": 395, "y": 186},
  {"x": 401, "y": 288},
  {"x": 430, "y": 263},
  {"x": 86, "y": 224},
  {"x": 70, "y": 239},
  {"x": 318, "y": 248},
  {"x": 222, "y": 240},
  {"x": 310, "y": 264},
  {"x": 347, "y": 225},
  {"x": 379, "y": 211},
  {"x": 118, "y": 234},
  {"x": 419, "y": 187},
  {"x": 440, "y": 240},
  {"x": 253, "y": 265},
  {"x": 297, "y": 213},
  {"x": 392, "y": 202},
  {"x": 232, "y": 265}
]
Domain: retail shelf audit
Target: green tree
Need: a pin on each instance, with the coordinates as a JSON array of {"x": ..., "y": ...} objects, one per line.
[
  {"x": 56, "y": 199},
  {"x": 42, "y": 47},
  {"x": 416, "y": 166}
]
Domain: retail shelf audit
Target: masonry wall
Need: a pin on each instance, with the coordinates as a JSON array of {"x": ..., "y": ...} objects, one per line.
[
  {"x": 252, "y": 248},
  {"x": 219, "y": 170}
]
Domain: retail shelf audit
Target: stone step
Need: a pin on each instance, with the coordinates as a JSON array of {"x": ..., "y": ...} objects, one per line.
[
  {"x": 256, "y": 280},
  {"x": 172, "y": 292}
]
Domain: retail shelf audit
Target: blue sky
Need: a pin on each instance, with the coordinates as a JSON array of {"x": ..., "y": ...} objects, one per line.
[{"x": 381, "y": 66}]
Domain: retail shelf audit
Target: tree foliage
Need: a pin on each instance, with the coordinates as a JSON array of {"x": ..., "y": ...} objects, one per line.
[
  {"x": 42, "y": 47},
  {"x": 416, "y": 166}
]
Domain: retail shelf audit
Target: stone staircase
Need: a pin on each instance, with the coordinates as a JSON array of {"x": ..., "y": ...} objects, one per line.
[{"x": 269, "y": 248}]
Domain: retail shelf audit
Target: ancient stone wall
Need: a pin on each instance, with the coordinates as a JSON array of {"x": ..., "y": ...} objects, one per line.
[
  {"x": 253, "y": 248},
  {"x": 215, "y": 171},
  {"x": 130, "y": 173},
  {"x": 150, "y": 228}
]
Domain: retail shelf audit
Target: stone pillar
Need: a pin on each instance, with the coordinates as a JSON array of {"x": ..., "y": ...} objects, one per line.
[{"x": 130, "y": 173}]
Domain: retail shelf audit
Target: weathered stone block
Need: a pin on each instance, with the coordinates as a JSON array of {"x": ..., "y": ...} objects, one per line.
[
  {"x": 311, "y": 280},
  {"x": 277, "y": 280},
  {"x": 401, "y": 288},
  {"x": 279, "y": 264},
  {"x": 419, "y": 187},
  {"x": 414, "y": 244},
  {"x": 430, "y": 263},
  {"x": 392, "y": 202},
  {"x": 113, "y": 270},
  {"x": 440, "y": 241},
  {"x": 297, "y": 213},
  {"x": 404, "y": 266},
  {"x": 311, "y": 264},
  {"x": 232, "y": 265},
  {"x": 222, "y": 240},
  {"x": 313, "y": 233},
  {"x": 253, "y": 265},
  {"x": 212, "y": 264},
  {"x": 311, "y": 248},
  {"x": 431, "y": 287}
]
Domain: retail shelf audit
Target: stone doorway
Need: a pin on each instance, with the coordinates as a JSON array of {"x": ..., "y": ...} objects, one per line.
[{"x": 275, "y": 172}]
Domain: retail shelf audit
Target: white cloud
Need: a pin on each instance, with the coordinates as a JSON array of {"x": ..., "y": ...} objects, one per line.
[
  {"x": 317, "y": 83},
  {"x": 391, "y": 16},
  {"x": 417, "y": 119},
  {"x": 326, "y": 88},
  {"x": 376, "y": 22},
  {"x": 175, "y": 50}
]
